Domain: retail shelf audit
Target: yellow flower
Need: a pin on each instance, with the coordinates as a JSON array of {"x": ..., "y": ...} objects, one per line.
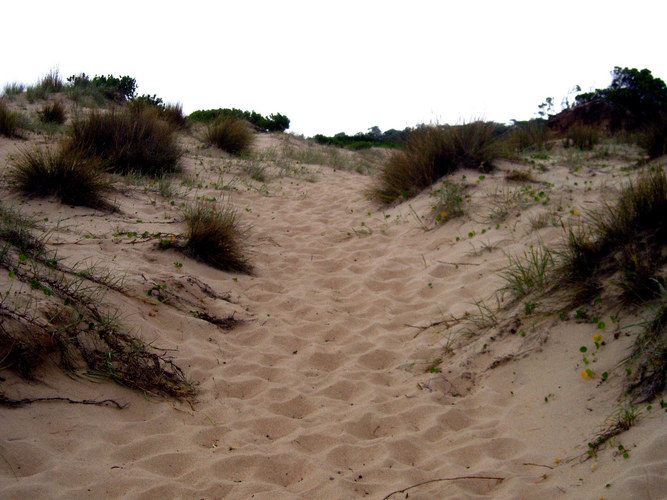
[
  {"x": 597, "y": 338},
  {"x": 443, "y": 215},
  {"x": 584, "y": 375},
  {"x": 558, "y": 460},
  {"x": 575, "y": 212},
  {"x": 173, "y": 238}
]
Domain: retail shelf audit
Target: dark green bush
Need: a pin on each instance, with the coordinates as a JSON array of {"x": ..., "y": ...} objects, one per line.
[
  {"x": 432, "y": 152},
  {"x": 73, "y": 179},
  {"x": 274, "y": 123},
  {"x": 230, "y": 134},
  {"x": 127, "y": 141},
  {"x": 214, "y": 235},
  {"x": 636, "y": 97},
  {"x": 114, "y": 88}
]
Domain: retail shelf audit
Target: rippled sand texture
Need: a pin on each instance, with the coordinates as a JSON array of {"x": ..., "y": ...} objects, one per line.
[{"x": 330, "y": 387}]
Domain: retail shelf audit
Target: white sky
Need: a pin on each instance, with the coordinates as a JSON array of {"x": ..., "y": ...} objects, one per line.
[{"x": 341, "y": 66}]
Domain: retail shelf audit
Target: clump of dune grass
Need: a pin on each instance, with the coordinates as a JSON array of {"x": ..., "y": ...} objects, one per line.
[
  {"x": 9, "y": 121},
  {"x": 12, "y": 89},
  {"x": 127, "y": 141},
  {"x": 584, "y": 137},
  {"x": 517, "y": 175},
  {"x": 654, "y": 138},
  {"x": 50, "y": 83},
  {"x": 528, "y": 274},
  {"x": 53, "y": 113},
  {"x": 647, "y": 363},
  {"x": 230, "y": 134},
  {"x": 16, "y": 231},
  {"x": 214, "y": 235},
  {"x": 74, "y": 179},
  {"x": 173, "y": 114},
  {"x": 530, "y": 135},
  {"x": 628, "y": 236},
  {"x": 432, "y": 152}
]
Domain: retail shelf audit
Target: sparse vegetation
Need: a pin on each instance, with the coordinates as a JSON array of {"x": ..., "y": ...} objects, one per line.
[
  {"x": 73, "y": 179},
  {"x": 449, "y": 201},
  {"x": 628, "y": 235},
  {"x": 215, "y": 236},
  {"x": 71, "y": 326},
  {"x": 230, "y": 134},
  {"x": 648, "y": 362},
  {"x": 432, "y": 152},
  {"x": 125, "y": 141}
]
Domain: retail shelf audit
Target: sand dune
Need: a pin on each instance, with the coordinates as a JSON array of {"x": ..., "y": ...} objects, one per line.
[{"x": 329, "y": 386}]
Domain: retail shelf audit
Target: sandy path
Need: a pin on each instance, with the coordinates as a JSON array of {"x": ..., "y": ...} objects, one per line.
[{"x": 323, "y": 390}]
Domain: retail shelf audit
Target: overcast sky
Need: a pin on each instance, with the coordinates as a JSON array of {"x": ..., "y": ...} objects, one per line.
[{"x": 341, "y": 66}]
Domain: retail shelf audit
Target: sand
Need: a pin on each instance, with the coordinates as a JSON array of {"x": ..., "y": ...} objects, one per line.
[{"x": 330, "y": 385}]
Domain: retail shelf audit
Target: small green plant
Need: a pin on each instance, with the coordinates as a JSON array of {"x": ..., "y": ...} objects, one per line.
[
  {"x": 230, "y": 134},
  {"x": 449, "y": 201},
  {"x": 528, "y": 274}
]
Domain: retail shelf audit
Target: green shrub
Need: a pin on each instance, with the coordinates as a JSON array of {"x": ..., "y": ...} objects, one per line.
[
  {"x": 114, "y": 88},
  {"x": 73, "y": 179},
  {"x": 584, "y": 137},
  {"x": 214, "y": 235},
  {"x": 274, "y": 123},
  {"x": 230, "y": 134},
  {"x": 9, "y": 121},
  {"x": 127, "y": 141},
  {"x": 53, "y": 113},
  {"x": 431, "y": 152}
]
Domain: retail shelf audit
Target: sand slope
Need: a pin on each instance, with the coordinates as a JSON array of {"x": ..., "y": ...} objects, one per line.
[{"x": 323, "y": 390}]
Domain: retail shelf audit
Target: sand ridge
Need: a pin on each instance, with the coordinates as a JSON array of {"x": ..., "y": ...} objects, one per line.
[{"x": 324, "y": 388}]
